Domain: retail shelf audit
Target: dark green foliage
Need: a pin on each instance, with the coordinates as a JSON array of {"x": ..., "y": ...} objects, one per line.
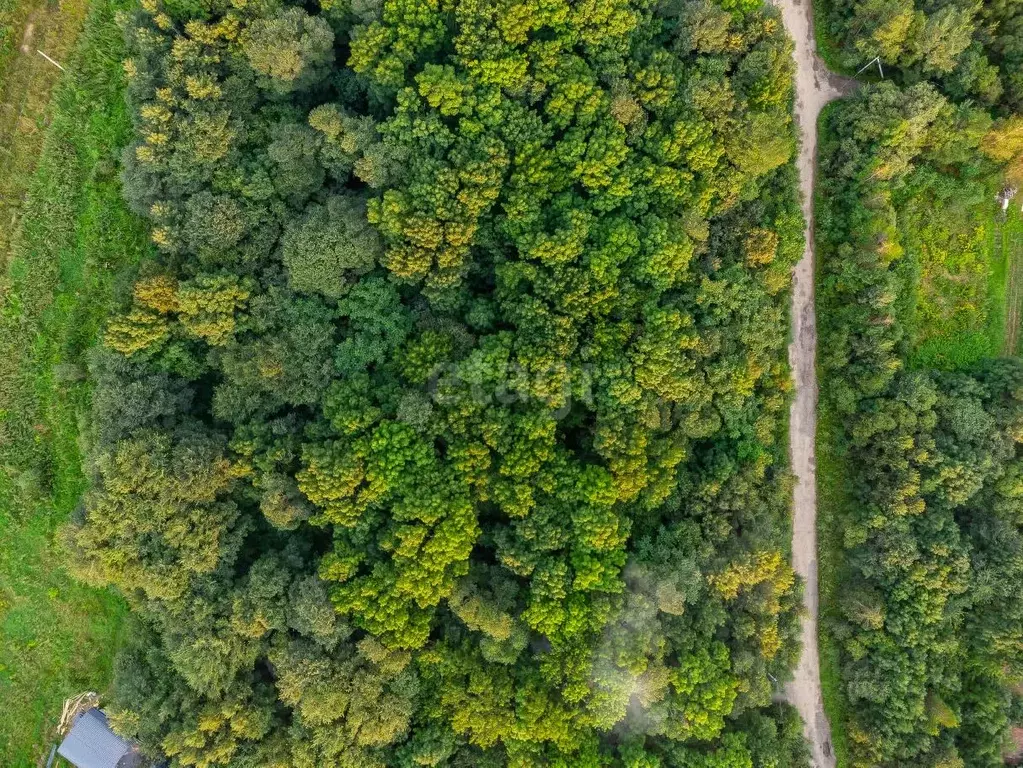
[
  {"x": 455, "y": 393},
  {"x": 933, "y": 456},
  {"x": 329, "y": 246},
  {"x": 130, "y": 397},
  {"x": 283, "y": 358},
  {"x": 973, "y": 49}
]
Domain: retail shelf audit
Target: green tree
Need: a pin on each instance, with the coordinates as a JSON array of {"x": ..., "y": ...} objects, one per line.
[
  {"x": 290, "y": 50},
  {"x": 330, "y": 247}
]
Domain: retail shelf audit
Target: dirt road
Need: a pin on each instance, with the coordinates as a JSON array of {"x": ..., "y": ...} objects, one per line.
[{"x": 815, "y": 87}]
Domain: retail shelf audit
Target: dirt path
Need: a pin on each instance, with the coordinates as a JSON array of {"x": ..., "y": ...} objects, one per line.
[{"x": 815, "y": 87}]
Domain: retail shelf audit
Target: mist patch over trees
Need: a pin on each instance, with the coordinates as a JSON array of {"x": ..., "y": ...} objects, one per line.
[{"x": 446, "y": 430}]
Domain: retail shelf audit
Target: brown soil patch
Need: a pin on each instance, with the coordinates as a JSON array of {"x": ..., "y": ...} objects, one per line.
[
  {"x": 26, "y": 39},
  {"x": 1015, "y": 755}
]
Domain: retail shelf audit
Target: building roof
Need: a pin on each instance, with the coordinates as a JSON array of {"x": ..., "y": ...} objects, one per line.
[{"x": 91, "y": 744}]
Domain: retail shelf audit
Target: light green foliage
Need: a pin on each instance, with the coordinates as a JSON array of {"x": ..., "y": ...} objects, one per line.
[
  {"x": 950, "y": 233},
  {"x": 136, "y": 331},
  {"x": 1005, "y": 144},
  {"x": 204, "y": 308},
  {"x": 290, "y": 50},
  {"x": 161, "y": 492},
  {"x": 207, "y": 307},
  {"x": 352, "y": 143}
]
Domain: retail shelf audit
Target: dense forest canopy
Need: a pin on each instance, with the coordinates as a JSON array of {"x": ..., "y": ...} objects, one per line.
[
  {"x": 929, "y": 630},
  {"x": 972, "y": 48},
  {"x": 446, "y": 429}
]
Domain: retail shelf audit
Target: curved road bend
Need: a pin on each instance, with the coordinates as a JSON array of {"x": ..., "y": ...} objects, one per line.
[{"x": 815, "y": 88}]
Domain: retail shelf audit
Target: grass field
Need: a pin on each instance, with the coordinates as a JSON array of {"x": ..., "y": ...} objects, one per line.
[
  {"x": 26, "y": 84},
  {"x": 1007, "y": 253},
  {"x": 973, "y": 314},
  {"x": 961, "y": 257},
  {"x": 57, "y": 637}
]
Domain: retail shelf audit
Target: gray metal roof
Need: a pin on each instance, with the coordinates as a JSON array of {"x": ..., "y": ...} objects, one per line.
[{"x": 91, "y": 744}]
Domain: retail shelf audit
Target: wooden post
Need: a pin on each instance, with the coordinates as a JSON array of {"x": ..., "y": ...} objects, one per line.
[{"x": 58, "y": 66}]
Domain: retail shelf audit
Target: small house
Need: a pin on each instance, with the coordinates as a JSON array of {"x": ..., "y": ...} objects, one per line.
[{"x": 91, "y": 744}]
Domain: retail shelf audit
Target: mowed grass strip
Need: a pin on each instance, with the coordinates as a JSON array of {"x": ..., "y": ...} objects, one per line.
[
  {"x": 1007, "y": 252},
  {"x": 58, "y": 637},
  {"x": 27, "y": 80}
]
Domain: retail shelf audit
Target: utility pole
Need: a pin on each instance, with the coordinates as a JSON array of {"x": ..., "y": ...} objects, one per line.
[{"x": 872, "y": 62}]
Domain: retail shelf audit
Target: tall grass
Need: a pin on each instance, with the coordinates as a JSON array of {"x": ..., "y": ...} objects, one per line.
[
  {"x": 11, "y": 14},
  {"x": 951, "y": 343},
  {"x": 57, "y": 637},
  {"x": 832, "y": 497}
]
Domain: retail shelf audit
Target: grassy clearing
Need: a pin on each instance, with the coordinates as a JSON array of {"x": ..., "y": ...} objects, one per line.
[
  {"x": 26, "y": 84},
  {"x": 57, "y": 637},
  {"x": 1001, "y": 259},
  {"x": 1007, "y": 250},
  {"x": 962, "y": 310},
  {"x": 959, "y": 283}
]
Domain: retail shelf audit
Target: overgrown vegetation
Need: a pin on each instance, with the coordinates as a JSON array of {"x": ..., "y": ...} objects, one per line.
[
  {"x": 922, "y": 485},
  {"x": 833, "y": 499},
  {"x": 57, "y": 637},
  {"x": 951, "y": 230},
  {"x": 445, "y": 429}
]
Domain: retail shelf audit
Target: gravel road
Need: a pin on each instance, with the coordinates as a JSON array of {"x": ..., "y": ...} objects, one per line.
[{"x": 815, "y": 87}]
